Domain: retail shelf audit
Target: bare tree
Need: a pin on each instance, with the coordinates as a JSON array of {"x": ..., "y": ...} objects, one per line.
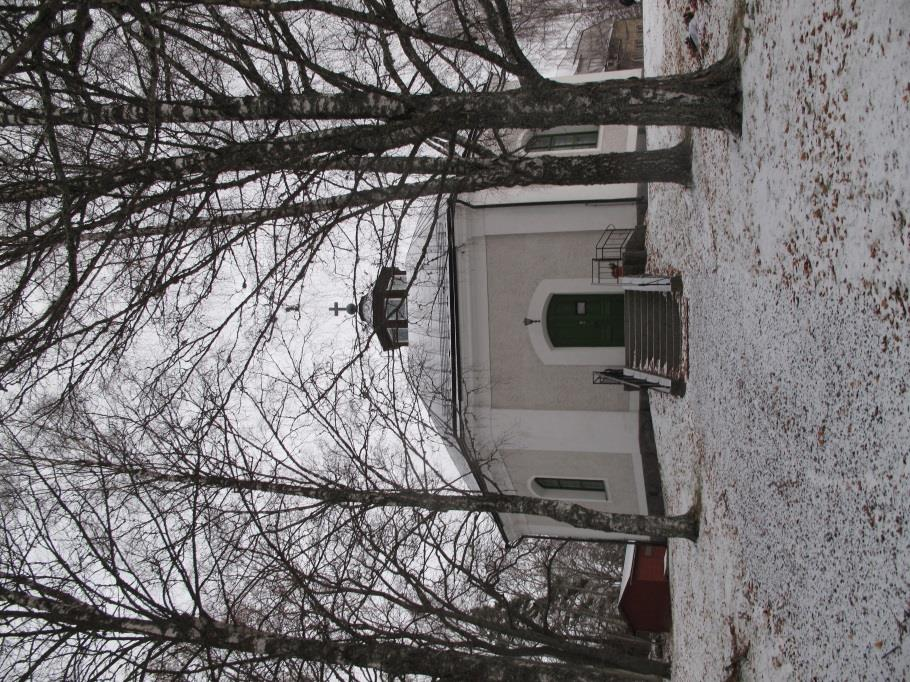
[
  {"x": 40, "y": 603},
  {"x": 170, "y": 176},
  {"x": 578, "y": 516},
  {"x": 151, "y": 571},
  {"x": 213, "y": 129},
  {"x": 703, "y": 99}
]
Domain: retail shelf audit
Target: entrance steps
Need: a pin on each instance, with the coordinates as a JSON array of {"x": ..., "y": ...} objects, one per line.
[{"x": 655, "y": 333}]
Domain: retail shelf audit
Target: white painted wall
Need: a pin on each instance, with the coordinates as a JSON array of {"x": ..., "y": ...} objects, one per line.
[
  {"x": 591, "y": 216},
  {"x": 514, "y": 250},
  {"x": 529, "y": 413},
  {"x": 521, "y": 376},
  {"x": 567, "y": 430}
]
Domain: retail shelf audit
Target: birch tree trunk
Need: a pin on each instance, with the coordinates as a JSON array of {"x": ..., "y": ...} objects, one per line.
[
  {"x": 284, "y": 153},
  {"x": 62, "y": 609},
  {"x": 659, "y": 165},
  {"x": 707, "y": 99},
  {"x": 671, "y": 165},
  {"x": 656, "y": 527}
]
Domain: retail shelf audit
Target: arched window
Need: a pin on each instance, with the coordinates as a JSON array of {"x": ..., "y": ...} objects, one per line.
[
  {"x": 585, "y": 320},
  {"x": 552, "y": 487}
]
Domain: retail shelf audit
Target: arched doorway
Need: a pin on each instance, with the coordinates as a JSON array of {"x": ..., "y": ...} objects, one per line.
[{"x": 587, "y": 320}]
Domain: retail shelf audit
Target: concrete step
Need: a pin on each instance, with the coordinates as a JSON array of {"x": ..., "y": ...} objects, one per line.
[{"x": 654, "y": 333}]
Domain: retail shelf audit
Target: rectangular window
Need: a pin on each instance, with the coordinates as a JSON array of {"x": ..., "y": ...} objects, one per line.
[
  {"x": 399, "y": 283},
  {"x": 583, "y": 139},
  {"x": 571, "y": 484},
  {"x": 580, "y": 307}
]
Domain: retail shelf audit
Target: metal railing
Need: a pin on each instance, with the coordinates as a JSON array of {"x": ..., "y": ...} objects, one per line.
[
  {"x": 608, "y": 253},
  {"x": 616, "y": 376}
]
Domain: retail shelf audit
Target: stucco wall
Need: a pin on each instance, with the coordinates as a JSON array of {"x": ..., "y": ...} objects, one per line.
[
  {"x": 614, "y": 139},
  {"x": 616, "y": 469},
  {"x": 515, "y": 266},
  {"x": 580, "y": 217}
]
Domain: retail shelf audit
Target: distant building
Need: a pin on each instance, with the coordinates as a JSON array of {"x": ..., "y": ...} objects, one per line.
[
  {"x": 644, "y": 595},
  {"x": 611, "y": 45}
]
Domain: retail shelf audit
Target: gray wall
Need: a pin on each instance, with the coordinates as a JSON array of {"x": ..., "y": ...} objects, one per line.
[
  {"x": 515, "y": 266},
  {"x": 616, "y": 469}
]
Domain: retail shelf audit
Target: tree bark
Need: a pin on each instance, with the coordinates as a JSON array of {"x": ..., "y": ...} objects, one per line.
[
  {"x": 682, "y": 526},
  {"x": 660, "y": 165},
  {"x": 393, "y": 658},
  {"x": 708, "y": 99},
  {"x": 283, "y": 153},
  {"x": 657, "y": 527},
  {"x": 286, "y": 155}
]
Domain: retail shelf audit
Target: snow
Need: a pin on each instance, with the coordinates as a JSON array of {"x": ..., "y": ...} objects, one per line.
[
  {"x": 794, "y": 248},
  {"x": 628, "y": 560}
]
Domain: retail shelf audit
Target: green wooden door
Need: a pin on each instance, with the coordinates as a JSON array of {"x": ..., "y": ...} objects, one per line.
[{"x": 585, "y": 320}]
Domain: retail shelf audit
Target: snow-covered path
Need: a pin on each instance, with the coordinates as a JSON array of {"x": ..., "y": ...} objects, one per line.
[{"x": 794, "y": 247}]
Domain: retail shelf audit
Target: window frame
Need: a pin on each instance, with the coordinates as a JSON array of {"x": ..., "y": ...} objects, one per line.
[
  {"x": 557, "y": 135},
  {"x": 574, "y": 488}
]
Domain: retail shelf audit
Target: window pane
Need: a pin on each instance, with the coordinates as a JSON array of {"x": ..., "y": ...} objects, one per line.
[
  {"x": 587, "y": 138},
  {"x": 539, "y": 142},
  {"x": 563, "y": 141},
  {"x": 580, "y": 307},
  {"x": 570, "y": 484},
  {"x": 583, "y": 139},
  {"x": 396, "y": 309}
]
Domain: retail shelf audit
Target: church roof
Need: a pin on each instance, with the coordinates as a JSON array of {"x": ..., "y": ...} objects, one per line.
[
  {"x": 429, "y": 284},
  {"x": 432, "y": 320},
  {"x": 434, "y": 367}
]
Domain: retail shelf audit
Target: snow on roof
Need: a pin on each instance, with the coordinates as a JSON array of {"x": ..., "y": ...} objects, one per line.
[
  {"x": 627, "y": 568},
  {"x": 430, "y": 330}
]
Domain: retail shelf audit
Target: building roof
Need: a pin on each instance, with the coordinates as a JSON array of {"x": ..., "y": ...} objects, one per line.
[{"x": 433, "y": 342}]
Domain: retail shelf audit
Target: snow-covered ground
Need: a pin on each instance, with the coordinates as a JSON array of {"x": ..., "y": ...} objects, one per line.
[{"x": 794, "y": 247}]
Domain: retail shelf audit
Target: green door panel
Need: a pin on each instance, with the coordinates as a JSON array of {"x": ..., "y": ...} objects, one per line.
[{"x": 585, "y": 320}]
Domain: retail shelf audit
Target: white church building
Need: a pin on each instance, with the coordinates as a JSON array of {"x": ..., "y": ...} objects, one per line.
[{"x": 504, "y": 327}]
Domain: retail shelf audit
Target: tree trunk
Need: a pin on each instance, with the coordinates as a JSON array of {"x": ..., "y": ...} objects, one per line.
[
  {"x": 283, "y": 153},
  {"x": 659, "y": 527},
  {"x": 656, "y": 527},
  {"x": 650, "y": 166},
  {"x": 708, "y": 99},
  {"x": 659, "y": 165},
  {"x": 395, "y": 659}
]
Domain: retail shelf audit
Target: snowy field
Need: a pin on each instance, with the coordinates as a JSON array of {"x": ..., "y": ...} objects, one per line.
[{"x": 794, "y": 247}]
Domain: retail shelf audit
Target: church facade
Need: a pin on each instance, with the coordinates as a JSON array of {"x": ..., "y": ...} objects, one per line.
[
  {"x": 533, "y": 327},
  {"x": 506, "y": 326}
]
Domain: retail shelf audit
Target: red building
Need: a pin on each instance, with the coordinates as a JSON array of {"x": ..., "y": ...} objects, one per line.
[{"x": 644, "y": 596}]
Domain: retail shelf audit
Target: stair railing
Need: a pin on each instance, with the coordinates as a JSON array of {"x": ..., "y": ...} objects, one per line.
[{"x": 608, "y": 253}]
